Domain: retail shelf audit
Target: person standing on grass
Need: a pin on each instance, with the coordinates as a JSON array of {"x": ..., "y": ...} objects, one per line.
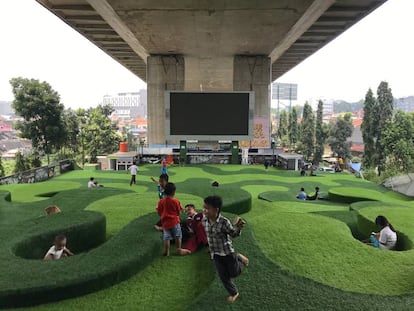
[
  {"x": 164, "y": 166},
  {"x": 162, "y": 182},
  {"x": 134, "y": 170},
  {"x": 169, "y": 210},
  {"x": 219, "y": 230}
]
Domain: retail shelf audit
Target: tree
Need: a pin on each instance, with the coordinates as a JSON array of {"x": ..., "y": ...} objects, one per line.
[
  {"x": 340, "y": 132},
  {"x": 293, "y": 128},
  {"x": 97, "y": 135},
  {"x": 369, "y": 129},
  {"x": 397, "y": 139},
  {"x": 21, "y": 163},
  {"x": 39, "y": 106},
  {"x": 321, "y": 133},
  {"x": 71, "y": 145},
  {"x": 1, "y": 167},
  {"x": 307, "y": 131},
  {"x": 283, "y": 128},
  {"x": 385, "y": 110}
]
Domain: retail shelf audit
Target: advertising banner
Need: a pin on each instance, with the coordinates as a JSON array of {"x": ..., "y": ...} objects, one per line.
[{"x": 261, "y": 135}]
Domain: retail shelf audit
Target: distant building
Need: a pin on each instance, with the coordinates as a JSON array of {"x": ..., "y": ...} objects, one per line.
[
  {"x": 356, "y": 140},
  {"x": 405, "y": 104},
  {"x": 128, "y": 105},
  {"x": 6, "y": 108},
  {"x": 328, "y": 107}
]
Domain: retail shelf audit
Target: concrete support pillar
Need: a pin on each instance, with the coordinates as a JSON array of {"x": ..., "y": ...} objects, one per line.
[
  {"x": 253, "y": 73},
  {"x": 164, "y": 73}
]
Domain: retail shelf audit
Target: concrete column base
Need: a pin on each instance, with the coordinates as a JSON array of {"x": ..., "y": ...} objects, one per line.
[{"x": 164, "y": 73}]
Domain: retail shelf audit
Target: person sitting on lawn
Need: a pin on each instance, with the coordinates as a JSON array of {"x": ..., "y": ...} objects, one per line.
[
  {"x": 58, "y": 250},
  {"x": 315, "y": 196},
  {"x": 198, "y": 236},
  {"x": 302, "y": 194},
  {"x": 93, "y": 183},
  {"x": 386, "y": 238}
]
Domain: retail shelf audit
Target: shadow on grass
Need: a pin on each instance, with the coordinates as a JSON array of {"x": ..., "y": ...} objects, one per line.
[
  {"x": 266, "y": 286},
  {"x": 350, "y": 218}
]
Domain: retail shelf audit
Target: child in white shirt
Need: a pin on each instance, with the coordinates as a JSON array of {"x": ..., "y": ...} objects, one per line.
[{"x": 58, "y": 250}]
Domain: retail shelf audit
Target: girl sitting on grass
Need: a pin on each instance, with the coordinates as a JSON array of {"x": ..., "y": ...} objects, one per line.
[{"x": 386, "y": 238}]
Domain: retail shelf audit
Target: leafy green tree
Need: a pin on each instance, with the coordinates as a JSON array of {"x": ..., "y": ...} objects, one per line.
[
  {"x": 71, "y": 146},
  {"x": 341, "y": 106},
  {"x": 293, "y": 127},
  {"x": 385, "y": 111},
  {"x": 21, "y": 163},
  {"x": 321, "y": 133},
  {"x": 1, "y": 167},
  {"x": 307, "y": 131},
  {"x": 39, "y": 106},
  {"x": 397, "y": 139},
  {"x": 98, "y": 134},
  {"x": 283, "y": 128},
  {"x": 369, "y": 129},
  {"x": 33, "y": 159},
  {"x": 340, "y": 132}
]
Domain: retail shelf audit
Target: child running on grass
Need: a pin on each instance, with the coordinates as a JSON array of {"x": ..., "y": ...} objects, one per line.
[
  {"x": 219, "y": 230},
  {"x": 169, "y": 210}
]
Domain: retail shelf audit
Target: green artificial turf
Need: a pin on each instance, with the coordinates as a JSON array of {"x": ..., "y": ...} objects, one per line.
[{"x": 304, "y": 255}]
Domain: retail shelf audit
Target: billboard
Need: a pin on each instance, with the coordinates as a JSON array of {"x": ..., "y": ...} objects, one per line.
[
  {"x": 261, "y": 134},
  {"x": 284, "y": 91}
]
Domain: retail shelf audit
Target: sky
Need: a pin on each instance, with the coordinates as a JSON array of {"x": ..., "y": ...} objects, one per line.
[{"x": 36, "y": 44}]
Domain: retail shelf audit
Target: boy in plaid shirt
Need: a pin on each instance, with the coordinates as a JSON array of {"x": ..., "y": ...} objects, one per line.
[{"x": 219, "y": 231}]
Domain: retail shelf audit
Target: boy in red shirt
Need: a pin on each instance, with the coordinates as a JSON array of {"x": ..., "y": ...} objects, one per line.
[{"x": 169, "y": 210}]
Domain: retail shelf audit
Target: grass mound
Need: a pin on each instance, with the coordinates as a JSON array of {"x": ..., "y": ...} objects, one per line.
[
  {"x": 303, "y": 255},
  {"x": 27, "y": 282}
]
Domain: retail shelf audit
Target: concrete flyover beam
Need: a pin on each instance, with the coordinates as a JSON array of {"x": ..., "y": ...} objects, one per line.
[
  {"x": 311, "y": 15},
  {"x": 111, "y": 17}
]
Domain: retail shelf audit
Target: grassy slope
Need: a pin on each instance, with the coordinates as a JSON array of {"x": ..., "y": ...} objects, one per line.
[{"x": 295, "y": 235}]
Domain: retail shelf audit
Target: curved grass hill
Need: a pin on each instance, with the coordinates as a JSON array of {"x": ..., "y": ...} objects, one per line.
[{"x": 303, "y": 255}]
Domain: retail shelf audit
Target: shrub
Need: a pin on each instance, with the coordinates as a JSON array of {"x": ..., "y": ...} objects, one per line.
[{"x": 28, "y": 282}]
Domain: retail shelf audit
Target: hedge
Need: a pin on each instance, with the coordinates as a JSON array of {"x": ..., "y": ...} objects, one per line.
[
  {"x": 26, "y": 282},
  {"x": 351, "y": 195},
  {"x": 5, "y": 195},
  {"x": 366, "y": 226},
  {"x": 235, "y": 200},
  {"x": 40, "y": 233}
]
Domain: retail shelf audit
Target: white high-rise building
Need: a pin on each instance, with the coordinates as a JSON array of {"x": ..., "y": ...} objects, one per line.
[
  {"x": 128, "y": 105},
  {"x": 328, "y": 107}
]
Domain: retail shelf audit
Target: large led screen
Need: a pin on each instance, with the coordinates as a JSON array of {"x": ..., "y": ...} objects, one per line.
[{"x": 209, "y": 115}]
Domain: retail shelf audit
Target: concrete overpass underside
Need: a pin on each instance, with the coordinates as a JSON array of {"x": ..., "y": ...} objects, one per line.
[{"x": 215, "y": 45}]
